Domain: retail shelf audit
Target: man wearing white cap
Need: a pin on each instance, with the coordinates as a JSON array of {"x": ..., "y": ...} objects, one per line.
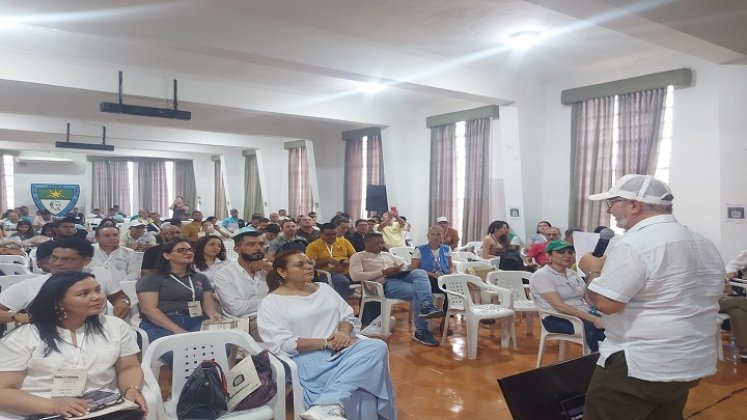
[
  {"x": 658, "y": 289},
  {"x": 137, "y": 238},
  {"x": 451, "y": 236}
]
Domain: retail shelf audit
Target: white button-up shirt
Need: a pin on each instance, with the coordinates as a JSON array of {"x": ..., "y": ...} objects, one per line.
[
  {"x": 122, "y": 263},
  {"x": 670, "y": 279},
  {"x": 238, "y": 291}
]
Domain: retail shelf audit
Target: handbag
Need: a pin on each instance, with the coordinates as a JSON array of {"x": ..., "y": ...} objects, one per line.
[
  {"x": 204, "y": 396},
  {"x": 267, "y": 388}
]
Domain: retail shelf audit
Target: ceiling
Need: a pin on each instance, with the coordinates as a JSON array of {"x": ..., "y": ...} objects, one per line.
[{"x": 277, "y": 67}]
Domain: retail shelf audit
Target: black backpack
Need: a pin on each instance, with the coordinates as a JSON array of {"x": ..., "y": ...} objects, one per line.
[
  {"x": 204, "y": 396},
  {"x": 296, "y": 244}
]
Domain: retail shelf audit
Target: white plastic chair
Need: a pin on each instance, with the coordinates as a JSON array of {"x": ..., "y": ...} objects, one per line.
[
  {"x": 129, "y": 288},
  {"x": 513, "y": 280},
  {"x": 495, "y": 262},
  {"x": 189, "y": 350},
  {"x": 470, "y": 246},
  {"x": 7, "y": 281},
  {"x": 231, "y": 254},
  {"x": 14, "y": 259},
  {"x": 720, "y": 319},
  {"x": 464, "y": 256},
  {"x": 403, "y": 252},
  {"x": 12, "y": 269},
  {"x": 460, "y": 301},
  {"x": 461, "y": 266},
  {"x": 578, "y": 336},
  {"x": 374, "y": 292}
]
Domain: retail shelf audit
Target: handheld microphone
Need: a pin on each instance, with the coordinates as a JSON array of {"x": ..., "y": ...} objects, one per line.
[{"x": 604, "y": 240}]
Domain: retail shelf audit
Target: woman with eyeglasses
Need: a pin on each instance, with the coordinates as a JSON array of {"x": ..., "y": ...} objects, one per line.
[
  {"x": 68, "y": 337},
  {"x": 340, "y": 377},
  {"x": 174, "y": 298},
  {"x": 557, "y": 288}
]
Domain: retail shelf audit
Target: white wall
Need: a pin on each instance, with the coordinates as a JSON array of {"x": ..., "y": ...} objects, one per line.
[{"x": 51, "y": 173}]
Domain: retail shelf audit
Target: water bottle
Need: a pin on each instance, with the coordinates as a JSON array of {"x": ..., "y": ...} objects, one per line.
[{"x": 731, "y": 355}]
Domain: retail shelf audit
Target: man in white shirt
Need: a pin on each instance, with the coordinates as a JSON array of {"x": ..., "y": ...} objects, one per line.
[
  {"x": 121, "y": 262},
  {"x": 241, "y": 284},
  {"x": 373, "y": 264},
  {"x": 68, "y": 255},
  {"x": 658, "y": 290}
]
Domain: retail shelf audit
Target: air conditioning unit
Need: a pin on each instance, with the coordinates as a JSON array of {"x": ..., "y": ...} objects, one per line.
[{"x": 43, "y": 159}]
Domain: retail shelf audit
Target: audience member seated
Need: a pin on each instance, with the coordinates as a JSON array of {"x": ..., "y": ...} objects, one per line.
[
  {"x": 451, "y": 235},
  {"x": 242, "y": 284},
  {"x": 191, "y": 231},
  {"x": 25, "y": 236},
  {"x": 356, "y": 236},
  {"x": 233, "y": 223},
  {"x": 557, "y": 288},
  {"x": 310, "y": 322},
  {"x": 67, "y": 334},
  {"x": 539, "y": 235},
  {"x": 735, "y": 305},
  {"x": 44, "y": 217},
  {"x": 69, "y": 255},
  {"x": 210, "y": 256},
  {"x": 113, "y": 213},
  {"x": 307, "y": 229},
  {"x": 332, "y": 253},
  {"x": 168, "y": 233},
  {"x": 497, "y": 242},
  {"x": 121, "y": 262},
  {"x": 63, "y": 229},
  {"x": 25, "y": 214},
  {"x": 104, "y": 223},
  {"x": 137, "y": 238},
  {"x": 375, "y": 265},
  {"x": 392, "y": 227},
  {"x": 47, "y": 230},
  {"x": 174, "y": 299},
  {"x": 142, "y": 216},
  {"x": 288, "y": 233},
  {"x": 343, "y": 227},
  {"x": 271, "y": 232},
  {"x": 435, "y": 258},
  {"x": 536, "y": 255},
  {"x": 569, "y": 234},
  {"x": 210, "y": 226},
  {"x": 11, "y": 220}
]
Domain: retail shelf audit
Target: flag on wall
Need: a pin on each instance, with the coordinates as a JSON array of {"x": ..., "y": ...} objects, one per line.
[{"x": 59, "y": 199}]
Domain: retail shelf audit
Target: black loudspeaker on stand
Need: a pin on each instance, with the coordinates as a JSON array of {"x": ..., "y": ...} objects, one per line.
[{"x": 376, "y": 198}]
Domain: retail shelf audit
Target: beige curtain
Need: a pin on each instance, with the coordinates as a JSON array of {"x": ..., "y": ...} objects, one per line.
[
  {"x": 591, "y": 161},
  {"x": 184, "y": 182},
  {"x": 353, "y": 177},
  {"x": 641, "y": 125},
  {"x": 153, "y": 191},
  {"x": 110, "y": 185},
  {"x": 252, "y": 189},
  {"x": 299, "y": 187},
  {"x": 3, "y": 188},
  {"x": 443, "y": 200},
  {"x": 477, "y": 179},
  {"x": 221, "y": 209}
]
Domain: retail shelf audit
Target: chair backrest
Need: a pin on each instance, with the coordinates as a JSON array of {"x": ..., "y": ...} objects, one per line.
[
  {"x": 404, "y": 252},
  {"x": 190, "y": 349},
  {"x": 463, "y": 256},
  {"x": 326, "y": 276},
  {"x": 372, "y": 289},
  {"x": 231, "y": 254},
  {"x": 480, "y": 271},
  {"x": 14, "y": 259},
  {"x": 511, "y": 280},
  {"x": 7, "y": 281},
  {"x": 461, "y": 267},
  {"x": 470, "y": 246},
  {"x": 457, "y": 289},
  {"x": 11, "y": 269}
]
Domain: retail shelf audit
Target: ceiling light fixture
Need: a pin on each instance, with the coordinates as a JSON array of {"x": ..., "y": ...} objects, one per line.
[
  {"x": 370, "y": 87},
  {"x": 525, "y": 39},
  {"x": 7, "y": 23}
]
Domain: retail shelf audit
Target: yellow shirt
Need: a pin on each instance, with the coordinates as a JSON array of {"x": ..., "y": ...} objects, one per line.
[
  {"x": 191, "y": 231},
  {"x": 393, "y": 235},
  {"x": 342, "y": 249}
]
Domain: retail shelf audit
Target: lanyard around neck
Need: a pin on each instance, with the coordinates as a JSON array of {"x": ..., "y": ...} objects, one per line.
[{"x": 191, "y": 286}]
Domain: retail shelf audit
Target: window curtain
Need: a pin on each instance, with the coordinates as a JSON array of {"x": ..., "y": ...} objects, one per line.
[
  {"x": 221, "y": 208},
  {"x": 374, "y": 163},
  {"x": 299, "y": 188},
  {"x": 641, "y": 125},
  {"x": 477, "y": 179},
  {"x": 110, "y": 185},
  {"x": 354, "y": 177},
  {"x": 3, "y": 188},
  {"x": 184, "y": 182},
  {"x": 252, "y": 190},
  {"x": 443, "y": 200},
  {"x": 591, "y": 161},
  {"x": 153, "y": 192}
]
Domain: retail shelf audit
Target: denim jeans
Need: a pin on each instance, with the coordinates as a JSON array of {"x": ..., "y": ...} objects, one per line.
[
  {"x": 413, "y": 286},
  {"x": 181, "y": 319},
  {"x": 563, "y": 326}
]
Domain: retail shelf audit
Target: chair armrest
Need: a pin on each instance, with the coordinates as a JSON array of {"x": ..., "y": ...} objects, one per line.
[
  {"x": 152, "y": 399},
  {"x": 505, "y": 295},
  {"x": 373, "y": 289},
  {"x": 578, "y": 325}
]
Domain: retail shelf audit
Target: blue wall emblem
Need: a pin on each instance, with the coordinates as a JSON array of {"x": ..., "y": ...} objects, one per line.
[{"x": 59, "y": 199}]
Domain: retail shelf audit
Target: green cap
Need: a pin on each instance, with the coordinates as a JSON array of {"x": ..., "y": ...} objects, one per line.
[{"x": 557, "y": 246}]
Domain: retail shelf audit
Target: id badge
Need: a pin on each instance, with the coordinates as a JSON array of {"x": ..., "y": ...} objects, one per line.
[
  {"x": 195, "y": 309},
  {"x": 69, "y": 383}
]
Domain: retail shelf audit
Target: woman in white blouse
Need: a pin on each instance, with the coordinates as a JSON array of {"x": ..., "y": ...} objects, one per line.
[
  {"x": 68, "y": 336},
  {"x": 210, "y": 255},
  {"x": 341, "y": 377}
]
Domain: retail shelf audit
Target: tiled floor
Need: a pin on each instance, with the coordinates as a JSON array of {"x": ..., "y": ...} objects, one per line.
[{"x": 440, "y": 382}]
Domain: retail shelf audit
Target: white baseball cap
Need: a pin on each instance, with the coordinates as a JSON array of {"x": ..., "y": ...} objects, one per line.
[
  {"x": 442, "y": 219},
  {"x": 643, "y": 188}
]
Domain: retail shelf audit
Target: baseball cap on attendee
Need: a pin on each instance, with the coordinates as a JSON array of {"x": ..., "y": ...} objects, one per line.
[
  {"x": 557, "y": 245},
  {"x": 643, "y": 188},
  {"x": 241, "y": 232},
  {"x": 442, "y": 219},
  {"x": 136, "y": 223}
]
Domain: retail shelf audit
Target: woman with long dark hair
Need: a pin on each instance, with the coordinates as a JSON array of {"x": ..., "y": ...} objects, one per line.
[
  {"x": 210, "y": 255},
  {"x": 67, "y": 334},
  {"x": 24, "y": 231},
  {"x": 496, "y": 242},
  {"x": 341, "y": 377},
  {"x": 174, "y": 298}
]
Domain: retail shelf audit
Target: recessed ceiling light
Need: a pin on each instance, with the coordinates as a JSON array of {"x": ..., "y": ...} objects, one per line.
[
  {"x": 521, "y": 40},
  {"x": 370, "y": 87},
  {"x": 7, "y": 22}
]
